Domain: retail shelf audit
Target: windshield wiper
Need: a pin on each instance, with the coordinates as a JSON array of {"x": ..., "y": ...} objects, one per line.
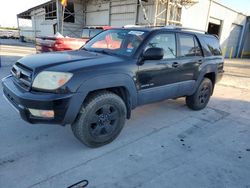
[
  {"x": 84, "y": 49},
  {"x": 103, "y": 51}
]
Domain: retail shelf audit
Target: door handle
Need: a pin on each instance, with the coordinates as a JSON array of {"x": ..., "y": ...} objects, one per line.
[
  {"x": 200, "y": 61},
  {"x": 175, "y": 65}
]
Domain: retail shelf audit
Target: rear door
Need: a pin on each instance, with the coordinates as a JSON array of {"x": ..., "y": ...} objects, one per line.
[{"x": 190, "y": 57}]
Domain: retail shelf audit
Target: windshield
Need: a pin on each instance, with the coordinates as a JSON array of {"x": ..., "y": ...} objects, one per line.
[{"x": 118, "y": 42}]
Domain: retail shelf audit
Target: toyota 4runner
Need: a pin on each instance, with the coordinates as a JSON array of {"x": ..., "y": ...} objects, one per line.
[{"x": 95, "y": 88}]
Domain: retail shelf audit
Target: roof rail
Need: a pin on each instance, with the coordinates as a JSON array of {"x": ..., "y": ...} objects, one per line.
[
  {"x": 168, "y": 27},
  {"x": 129, "y": 26},
  {"x": 184, "y": 28}
]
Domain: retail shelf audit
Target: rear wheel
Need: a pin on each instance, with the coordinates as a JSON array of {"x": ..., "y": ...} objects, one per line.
[
  {"x": 200, "y": 98},
  {"x": 100, "y": 120}
]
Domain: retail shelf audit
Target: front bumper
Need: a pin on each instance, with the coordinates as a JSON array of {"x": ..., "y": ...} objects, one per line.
[{"x": 65, "y": 106}]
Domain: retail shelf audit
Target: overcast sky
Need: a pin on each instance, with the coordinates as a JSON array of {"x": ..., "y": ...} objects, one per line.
[{"x": 10, "y": 8}]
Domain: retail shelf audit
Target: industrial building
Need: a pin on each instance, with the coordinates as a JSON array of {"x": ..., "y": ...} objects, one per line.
[{"x": 230, "y": 26}]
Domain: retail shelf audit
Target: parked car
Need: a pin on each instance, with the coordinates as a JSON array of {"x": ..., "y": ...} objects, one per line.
[
  {"x": 96, "y": 87},
  {"x": 60, "y": 43}
]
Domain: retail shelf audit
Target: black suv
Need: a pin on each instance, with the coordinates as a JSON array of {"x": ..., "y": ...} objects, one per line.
[{"x": 95, "y": 88}]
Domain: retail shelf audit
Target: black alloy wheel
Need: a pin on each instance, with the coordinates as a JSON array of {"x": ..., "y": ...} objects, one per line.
[
  {"x": 100, "y": 119},
  {"x": 201, "y": 97}
]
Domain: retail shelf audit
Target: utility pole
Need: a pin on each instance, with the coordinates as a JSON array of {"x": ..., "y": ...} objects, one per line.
[{"x": 18, "y": 26}]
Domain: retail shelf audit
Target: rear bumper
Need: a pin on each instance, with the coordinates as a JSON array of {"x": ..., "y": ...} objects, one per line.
[{"x": 65, "y": 106}]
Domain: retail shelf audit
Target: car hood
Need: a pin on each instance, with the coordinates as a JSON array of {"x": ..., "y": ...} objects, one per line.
[{"x": 81, "y": 58}]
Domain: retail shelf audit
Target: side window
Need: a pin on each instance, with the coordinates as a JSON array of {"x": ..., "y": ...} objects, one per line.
[
  {"x": 165, "y": 41},
  {"x": 213, "y": 45},
  {"x": 187, "y": 46}
]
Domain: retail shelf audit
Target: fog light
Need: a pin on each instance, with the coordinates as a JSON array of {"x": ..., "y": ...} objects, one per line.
[{"x": 42, "y": 113}]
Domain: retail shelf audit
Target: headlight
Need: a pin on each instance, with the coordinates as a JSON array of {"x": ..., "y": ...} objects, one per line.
[{"x": 49, "y": 80}]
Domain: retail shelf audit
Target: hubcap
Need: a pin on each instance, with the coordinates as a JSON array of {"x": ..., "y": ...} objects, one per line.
[
  {"x": 104, "y": 121},
  {"x": 204, "y": 94}
]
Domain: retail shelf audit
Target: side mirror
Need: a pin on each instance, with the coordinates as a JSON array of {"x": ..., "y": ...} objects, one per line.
[{"x": 153, "y": 54}]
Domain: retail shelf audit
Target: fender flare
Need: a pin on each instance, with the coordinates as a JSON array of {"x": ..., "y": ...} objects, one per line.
[
  {"x": 110, "y": 81},
  {"x": 205, "y": 70}
]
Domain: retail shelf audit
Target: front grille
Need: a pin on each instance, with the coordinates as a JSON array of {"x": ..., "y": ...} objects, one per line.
[{"x": 22, "y": 76}]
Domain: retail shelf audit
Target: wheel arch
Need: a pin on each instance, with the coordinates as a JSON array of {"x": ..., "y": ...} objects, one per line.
[
  {"x": 210, "y": 72},
  {"x": 120, "y": 84}
]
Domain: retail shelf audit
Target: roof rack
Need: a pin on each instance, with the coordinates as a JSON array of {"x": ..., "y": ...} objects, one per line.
[
  {"x": 167, "y": 27},
  {"x": 184, "y": 28}
]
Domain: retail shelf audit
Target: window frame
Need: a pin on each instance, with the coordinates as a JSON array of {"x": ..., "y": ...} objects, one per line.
[
  {"x": 50, "y": 11},
  {"x": 199, "y": 45},
  {"x": 69, "y": 17}
]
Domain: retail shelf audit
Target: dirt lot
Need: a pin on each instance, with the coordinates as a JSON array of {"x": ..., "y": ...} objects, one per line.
[{"x": 162, "y": 145}]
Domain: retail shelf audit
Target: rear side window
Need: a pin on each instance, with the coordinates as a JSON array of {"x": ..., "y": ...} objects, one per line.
[
  {"x": 189, "y": 46},
  {"x": 213, "y": 45}
]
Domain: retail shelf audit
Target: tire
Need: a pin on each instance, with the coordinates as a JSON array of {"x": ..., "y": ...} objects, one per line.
[
  {"x": 100, "y": 119},
  {"x": 200, "y": 98}
]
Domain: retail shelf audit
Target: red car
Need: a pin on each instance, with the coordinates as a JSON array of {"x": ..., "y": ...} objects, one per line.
[{"x": 60, "y": 43}]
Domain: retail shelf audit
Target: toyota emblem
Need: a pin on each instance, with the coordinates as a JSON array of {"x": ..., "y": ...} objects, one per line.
[{"x": 18, "y": 73}]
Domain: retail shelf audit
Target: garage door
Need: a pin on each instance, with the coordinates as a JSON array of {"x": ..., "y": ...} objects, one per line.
[{"x": 234, "y": 40}]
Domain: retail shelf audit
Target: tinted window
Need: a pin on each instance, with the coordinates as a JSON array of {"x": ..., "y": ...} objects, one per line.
[
  {"x": 213, "y": 45},
  {"x": 187, "y": 46},
  {"x": 165, "y": 41}
]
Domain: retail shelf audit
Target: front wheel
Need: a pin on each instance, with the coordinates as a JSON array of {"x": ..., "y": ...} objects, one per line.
[
  {"x": 200, "y": 98},
  {"x": 100, "y": 120}
]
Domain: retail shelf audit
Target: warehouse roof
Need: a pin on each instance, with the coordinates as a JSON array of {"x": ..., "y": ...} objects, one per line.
[{"x": 26, "y": 14}]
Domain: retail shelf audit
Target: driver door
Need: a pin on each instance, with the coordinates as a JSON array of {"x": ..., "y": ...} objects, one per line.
[{"x": 158, "y": 79}]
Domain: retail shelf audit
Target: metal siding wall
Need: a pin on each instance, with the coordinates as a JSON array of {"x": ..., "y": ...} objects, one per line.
[
  {"x": 75, "y": 29},
  {"x": 123, "y": 12},
  {"x": 150, "y": 10},
  {"x": 97, "y": 13}
]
